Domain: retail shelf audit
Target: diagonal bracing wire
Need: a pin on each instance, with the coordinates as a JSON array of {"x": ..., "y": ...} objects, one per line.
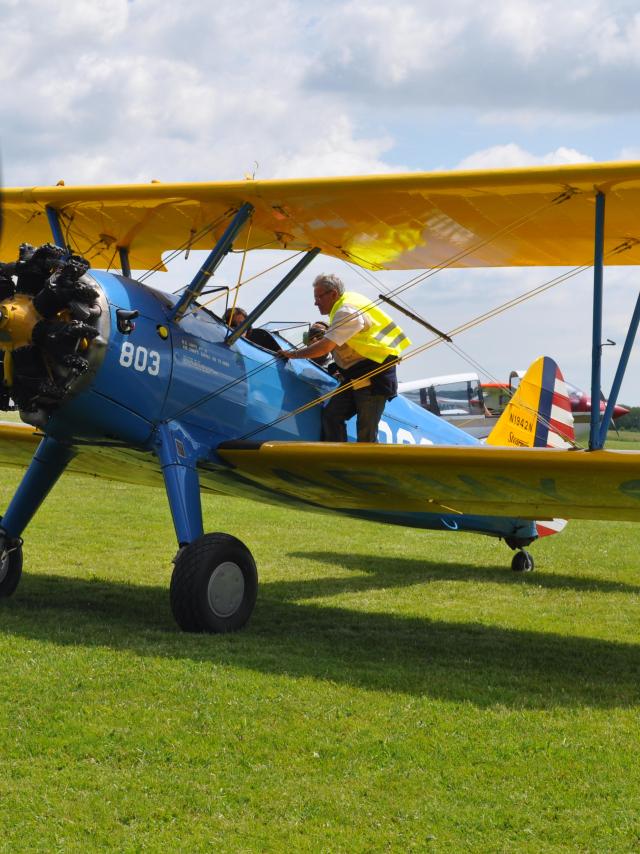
[
  {"x": 562, "y": 197},
  {"x": 435, "y": 341}
]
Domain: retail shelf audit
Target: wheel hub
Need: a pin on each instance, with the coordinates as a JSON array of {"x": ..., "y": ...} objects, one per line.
[{"x": 225, "y": 589}]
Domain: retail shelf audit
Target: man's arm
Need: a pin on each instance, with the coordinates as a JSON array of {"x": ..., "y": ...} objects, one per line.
[
  {"x": 347, "y": 322},
  {"x": 311, "y": 351}
]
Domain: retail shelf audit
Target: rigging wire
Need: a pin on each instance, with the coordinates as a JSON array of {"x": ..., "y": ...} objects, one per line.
[
  {"x": 562, "y": 197},
  {"x": 113, "y": 258},
  {"x": 72, "y": 243},
  {"x": 417, "y": 351},
  {"x": 252, "y": 278},
  {"x": 435, "y": 341},
  {"x": 474, "y": 247},
  {"x": 186, "y": 245},
  {"x": 240, "y": 272},
  {"x": 368, "y": 275},
  {"x": 515, "y": 301},
  {"x": 396, "y": 292},
  {"x": 402, "y": 288}
]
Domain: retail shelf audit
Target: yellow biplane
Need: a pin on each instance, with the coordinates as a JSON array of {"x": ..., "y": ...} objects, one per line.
[{"x": 115, "y": 378}]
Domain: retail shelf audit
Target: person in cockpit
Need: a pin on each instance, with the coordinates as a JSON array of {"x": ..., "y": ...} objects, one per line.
[{"x": 235, "y": 316}]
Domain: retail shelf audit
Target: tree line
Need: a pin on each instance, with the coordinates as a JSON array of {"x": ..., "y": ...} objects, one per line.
[{"x": 631, "y": 421}]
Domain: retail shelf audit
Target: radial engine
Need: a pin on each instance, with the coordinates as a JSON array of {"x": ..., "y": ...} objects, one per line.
[{"x": 53, "y": 326}]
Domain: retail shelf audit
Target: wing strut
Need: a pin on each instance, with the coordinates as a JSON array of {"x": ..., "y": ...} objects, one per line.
[
  {"x": 56, "y": 230},
  {"x": 595, "y": 442},
  {"x": 599, "y": 427},
  {"x": 222, "y": 247},
  {"x": 617, "y": 381},
  {"x": 125, "y": 266}
]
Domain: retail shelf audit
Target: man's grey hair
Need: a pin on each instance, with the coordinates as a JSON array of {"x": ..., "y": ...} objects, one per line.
[{"x": 329, "y": 281}]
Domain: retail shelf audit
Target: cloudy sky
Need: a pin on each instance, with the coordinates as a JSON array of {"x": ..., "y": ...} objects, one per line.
[{"x": 106, "y": 91}]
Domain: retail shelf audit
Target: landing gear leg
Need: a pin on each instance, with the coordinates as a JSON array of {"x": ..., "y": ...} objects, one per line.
[
  {"x": 215, "y": 581},
  {"x": 48, "y": 463},
  {"x": 522, "y": 561}
]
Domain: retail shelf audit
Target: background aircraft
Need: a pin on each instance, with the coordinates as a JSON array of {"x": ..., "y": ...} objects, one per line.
[
  {"x": 128, "y": 382},
  {"x": 496, "y": 396},
  {"x": 473, "y": 406},
  {"x": 458, "y": 398}
]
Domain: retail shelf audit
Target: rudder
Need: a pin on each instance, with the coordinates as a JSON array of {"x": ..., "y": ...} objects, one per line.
[
  {"x": 538, "y": 416},
  {"x": 539, "y": 413}
]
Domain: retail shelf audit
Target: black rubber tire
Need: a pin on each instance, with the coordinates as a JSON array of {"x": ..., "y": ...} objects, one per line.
[
  {"x": 194, "y": 587},
  {"x": 10, "y": 571},
  {"x": 522, "y": 562}
]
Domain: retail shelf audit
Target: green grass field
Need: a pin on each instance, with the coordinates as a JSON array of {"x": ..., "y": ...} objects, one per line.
[
  {"x": 394, "y": 690},
  {"x": 625, "y": 440}
]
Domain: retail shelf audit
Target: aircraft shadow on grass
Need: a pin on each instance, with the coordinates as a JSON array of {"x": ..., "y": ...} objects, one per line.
[
  {"x": 470, "y": 662},
  {"x": 403, "y": 572}
]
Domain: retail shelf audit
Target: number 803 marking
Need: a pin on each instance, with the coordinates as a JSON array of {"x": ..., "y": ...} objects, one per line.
[{"x": 140, "y": 359}]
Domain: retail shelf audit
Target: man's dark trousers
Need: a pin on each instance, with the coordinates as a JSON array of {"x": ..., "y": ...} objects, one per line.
[{"x": 368, "y": 408}]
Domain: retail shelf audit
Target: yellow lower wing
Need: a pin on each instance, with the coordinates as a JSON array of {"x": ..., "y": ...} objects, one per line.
[
  {"x": 530, "y": 483},
  {"x": 18, "y": 443}
]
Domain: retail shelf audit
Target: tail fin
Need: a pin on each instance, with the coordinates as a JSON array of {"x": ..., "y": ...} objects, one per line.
[
  {"x": 538, "y": 416},
  {"x": 539, "y": 413}
]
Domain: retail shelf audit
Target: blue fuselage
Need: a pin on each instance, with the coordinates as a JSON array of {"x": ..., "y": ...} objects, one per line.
[{"x": 184, "y": 373}]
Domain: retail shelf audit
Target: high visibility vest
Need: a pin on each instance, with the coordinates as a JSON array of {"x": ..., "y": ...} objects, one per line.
[{"x": 381, "y": 339}]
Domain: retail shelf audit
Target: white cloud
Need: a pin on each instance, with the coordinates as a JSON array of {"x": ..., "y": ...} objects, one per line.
[
  {"x": 187, "y": 91},
  {"x": 520, "y": 24},
  {"x": 388, "y": 42},
  {"x": 176, "y": 93},
  {"x": 336, "y": 151},
  {"x": 105, "y": 91},
  {"x": 515, "y": 55},
  {"x": 512, "y": 155}
]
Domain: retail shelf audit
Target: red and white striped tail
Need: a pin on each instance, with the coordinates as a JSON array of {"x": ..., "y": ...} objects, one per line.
[
  {"x": 538, "y": 416},
  {"x": 561, "y": 435}
]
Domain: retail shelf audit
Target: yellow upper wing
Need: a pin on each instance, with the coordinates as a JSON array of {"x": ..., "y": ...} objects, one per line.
[{"x": 537, "y": 216}]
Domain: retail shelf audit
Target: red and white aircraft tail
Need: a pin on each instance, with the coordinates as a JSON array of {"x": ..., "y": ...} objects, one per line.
[{"x": 538, "y": 416}]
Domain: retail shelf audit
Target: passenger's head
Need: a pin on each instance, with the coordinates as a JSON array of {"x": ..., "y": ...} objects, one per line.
[
  {"x": 315, "y": 332},
  {"x": 327, "y": 290},
  {"x": 233, "y": 317}
]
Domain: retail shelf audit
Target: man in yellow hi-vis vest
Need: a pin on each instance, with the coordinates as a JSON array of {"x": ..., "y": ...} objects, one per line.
[{"x": 362, "y": 338}]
